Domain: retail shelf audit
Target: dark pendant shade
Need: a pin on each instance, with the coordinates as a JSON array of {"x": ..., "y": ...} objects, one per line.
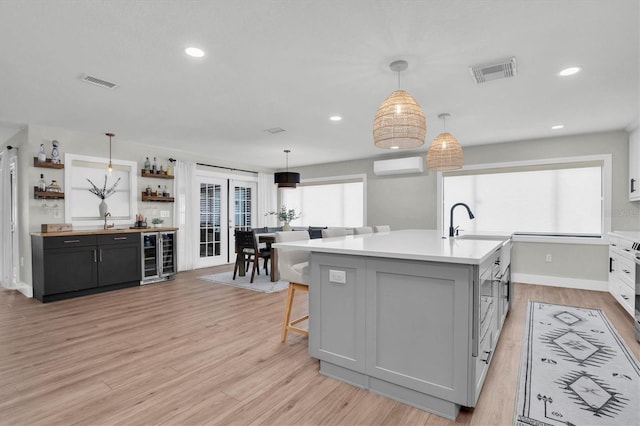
[{"x": 286, "y": 179}]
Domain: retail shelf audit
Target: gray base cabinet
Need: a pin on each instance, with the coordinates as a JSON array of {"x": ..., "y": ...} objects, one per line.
[
  {"x": 71, "y": 266},
  {"x": 418, "y": 332}
]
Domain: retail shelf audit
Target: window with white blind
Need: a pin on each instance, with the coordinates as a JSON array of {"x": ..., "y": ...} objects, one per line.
[
  {"x": 563, "y": 197},
  {"x": 337, "y": 202}
]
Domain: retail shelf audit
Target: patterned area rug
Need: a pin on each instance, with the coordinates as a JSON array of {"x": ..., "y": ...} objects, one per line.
[
  {"x": 575, "y": 370},
  {"x": 261, "y": 283}
]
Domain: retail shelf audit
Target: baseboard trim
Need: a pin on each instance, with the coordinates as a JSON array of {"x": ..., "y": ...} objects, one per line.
[
  {"x": 25, "y": 289},
  {"x": 566, "y": 282}
]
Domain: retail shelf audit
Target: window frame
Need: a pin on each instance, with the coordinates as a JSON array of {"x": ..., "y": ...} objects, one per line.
[
  {"x": 328, "y": 180},
  {"x": 606, "y": 160},
  {"x": 74, "y": 174}
]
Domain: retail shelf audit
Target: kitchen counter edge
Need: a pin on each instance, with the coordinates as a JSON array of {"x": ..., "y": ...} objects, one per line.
[{"x": 102, "y": 231}]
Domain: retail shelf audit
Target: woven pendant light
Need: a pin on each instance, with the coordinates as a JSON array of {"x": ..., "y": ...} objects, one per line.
[
  {"x": 445, "y": 152},
  {"x": 399, "y": 121}
]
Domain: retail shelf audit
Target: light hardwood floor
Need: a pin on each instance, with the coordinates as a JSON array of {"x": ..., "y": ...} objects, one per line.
[{"x": 192, "y": 352}]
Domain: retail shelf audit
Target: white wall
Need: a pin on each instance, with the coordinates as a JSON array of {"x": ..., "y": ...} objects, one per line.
[
  {"x": 406, "y": 201},
  {"x": 32, "y": 215},
  {"x": 410, "y": 201}
]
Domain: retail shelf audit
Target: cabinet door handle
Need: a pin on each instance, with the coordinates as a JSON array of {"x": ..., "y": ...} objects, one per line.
[
  {"x": 120, "y": 238},
  {"x": 626, "y": 271},
  {"x": 633, "y": 185},
  {"x": 100, "y": 255},
  {"x": 625, "y": 297},
  {"x": 611, "y": 264},
  {"x": 95, "y": 256},
  {"x": 71, "y": 241},
  {"x": 488, "y": 353}
]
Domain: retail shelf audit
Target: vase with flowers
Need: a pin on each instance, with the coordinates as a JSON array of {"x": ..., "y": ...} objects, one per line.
[
  {"x": 286, "y": 215},
  {"x": 103, "y": 193}
]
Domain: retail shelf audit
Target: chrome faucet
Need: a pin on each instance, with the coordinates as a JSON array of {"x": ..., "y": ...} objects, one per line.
[
  {"x": 107, "y": 214},
  {"x": 453, "y": 230}
]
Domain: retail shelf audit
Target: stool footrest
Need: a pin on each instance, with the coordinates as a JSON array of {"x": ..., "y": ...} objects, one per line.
[{"x": 289, "y": 324}]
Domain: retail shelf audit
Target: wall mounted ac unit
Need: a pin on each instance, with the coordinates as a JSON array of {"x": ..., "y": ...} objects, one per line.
[{"x": 398, "y": 166}]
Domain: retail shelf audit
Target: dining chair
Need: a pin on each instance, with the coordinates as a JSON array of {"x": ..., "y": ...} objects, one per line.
[
  {"x": 247, "y": 251},
  {"x": 316, "y": 231},
  {"x": 363, "y": 230},
  {"x": 293, "y": 265},
  {"x": 334, "y": 232},
  {"x": 381, "y": 228}
]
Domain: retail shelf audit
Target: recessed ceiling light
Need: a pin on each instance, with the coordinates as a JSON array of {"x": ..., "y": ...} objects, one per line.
[
  {"x": 335, "y": 118},
  {"x": 557, "y": 127},
  {"x": 194, "y": 51},
  {"x": 394, "y": 147},
  {"x": 569, "y": 71}
]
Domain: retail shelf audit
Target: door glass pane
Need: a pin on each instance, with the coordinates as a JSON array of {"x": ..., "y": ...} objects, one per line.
[
  {"x": 242, "y": 208},
  {"x": 210, "y": 220}
]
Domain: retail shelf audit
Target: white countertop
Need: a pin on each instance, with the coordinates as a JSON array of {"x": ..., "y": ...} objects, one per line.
[
  {"x": 633, "y": 236},
  {"x": 412, "y": 244}
]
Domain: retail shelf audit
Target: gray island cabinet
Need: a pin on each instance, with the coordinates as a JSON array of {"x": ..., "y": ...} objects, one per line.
[{"x": 408, "y": 314}]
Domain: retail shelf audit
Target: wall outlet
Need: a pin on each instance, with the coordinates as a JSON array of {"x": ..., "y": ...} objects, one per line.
[
  {"x": 164, "y": 213},
  {"x": 548, "y": 258},
  {"x": 339, "y": 277}
]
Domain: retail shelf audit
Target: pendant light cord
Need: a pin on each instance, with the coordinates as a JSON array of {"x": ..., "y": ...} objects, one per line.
[{"x": 287, "y": 151}]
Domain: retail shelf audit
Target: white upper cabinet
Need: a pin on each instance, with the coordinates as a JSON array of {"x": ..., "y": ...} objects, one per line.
[{"x": 634, "y": 165}]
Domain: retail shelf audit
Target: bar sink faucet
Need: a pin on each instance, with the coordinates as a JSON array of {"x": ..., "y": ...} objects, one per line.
[
  {"x": 452, "y": 230},
  {"x": 107, "y": 214}
]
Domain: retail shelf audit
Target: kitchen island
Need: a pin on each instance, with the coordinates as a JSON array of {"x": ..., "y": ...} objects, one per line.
[{"x": 408, "y": 314}]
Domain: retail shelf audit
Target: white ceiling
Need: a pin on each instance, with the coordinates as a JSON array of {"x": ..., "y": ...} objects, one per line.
[{"x": 294, "y": 63}]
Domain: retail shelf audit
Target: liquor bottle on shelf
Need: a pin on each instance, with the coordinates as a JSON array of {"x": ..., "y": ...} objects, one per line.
[
  {"x": 42, "y": 185},
  {"x": 159, "y": 191},
  {"x": 168, "y": 169},
  {"x": 165, "y": 191},
  {"x": 147, "y": 165},
  {"x": 154, "y": 170},
  {"x": 148, "y": 189},
  {"x": 42, "y": 155}
]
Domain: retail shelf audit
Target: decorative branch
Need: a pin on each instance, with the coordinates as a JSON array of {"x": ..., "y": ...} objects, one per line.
[{"x": 104, "y": 192}]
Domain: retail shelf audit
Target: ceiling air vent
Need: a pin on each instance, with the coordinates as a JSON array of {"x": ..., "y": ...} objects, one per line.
[
  {"x": 275, "y": 130},
  {"x": 497, "y": 70},
  {"x": 98, "y": 81}
]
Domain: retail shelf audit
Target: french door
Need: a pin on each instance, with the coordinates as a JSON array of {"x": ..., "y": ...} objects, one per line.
[
  {"x": 212, "y": 224},
  {"x": 242, "y": 211},
  {"x": 223, "y": 206}
]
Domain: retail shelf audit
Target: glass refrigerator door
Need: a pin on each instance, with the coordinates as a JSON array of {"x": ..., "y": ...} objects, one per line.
[
  {"x": 150, "y": 258},
  {"x": 168, "y": 253}
]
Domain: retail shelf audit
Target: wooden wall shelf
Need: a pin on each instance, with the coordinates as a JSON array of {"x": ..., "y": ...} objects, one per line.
[
  {"x": 145, "y": 173},
  {"x": 146, "y": 197},
  {"x": 46, "y": 194},
  {"x": 47, "y": 164}
]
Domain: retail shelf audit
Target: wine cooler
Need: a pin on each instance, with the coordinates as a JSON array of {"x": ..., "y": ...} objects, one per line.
[{"x": 158, "y": 256}]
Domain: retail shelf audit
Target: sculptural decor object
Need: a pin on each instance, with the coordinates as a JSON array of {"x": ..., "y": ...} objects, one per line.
[{"x": 55, "y": 155}]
